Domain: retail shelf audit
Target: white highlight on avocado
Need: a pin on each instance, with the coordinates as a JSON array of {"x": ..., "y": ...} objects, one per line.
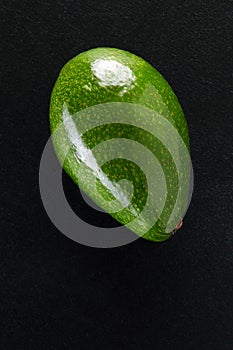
[
  {"x": 85, "y": 155},
  {"x": 113, "y": 73}
]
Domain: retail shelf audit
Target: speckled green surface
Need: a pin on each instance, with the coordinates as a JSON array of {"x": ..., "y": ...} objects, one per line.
[{"x": 85, "y": 81}]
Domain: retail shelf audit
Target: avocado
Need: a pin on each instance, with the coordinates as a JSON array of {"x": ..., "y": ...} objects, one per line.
[{"x": 123, "y": 139}]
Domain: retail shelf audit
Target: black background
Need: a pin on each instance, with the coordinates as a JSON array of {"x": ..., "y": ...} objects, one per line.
[{"x": 57, "y": 294}]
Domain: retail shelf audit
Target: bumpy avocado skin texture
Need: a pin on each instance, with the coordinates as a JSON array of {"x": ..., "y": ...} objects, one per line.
[{"x": 78, "y": 88}]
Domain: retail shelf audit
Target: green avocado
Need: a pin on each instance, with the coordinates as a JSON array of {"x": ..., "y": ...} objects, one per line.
[{"x": 123, "y": 139}]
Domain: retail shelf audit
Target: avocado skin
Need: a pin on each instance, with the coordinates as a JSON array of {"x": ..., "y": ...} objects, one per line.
[{"x": 78, "y": 88}]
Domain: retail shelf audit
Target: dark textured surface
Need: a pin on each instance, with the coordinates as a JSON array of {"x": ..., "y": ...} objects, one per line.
[{"x": 56, "y": 294}]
